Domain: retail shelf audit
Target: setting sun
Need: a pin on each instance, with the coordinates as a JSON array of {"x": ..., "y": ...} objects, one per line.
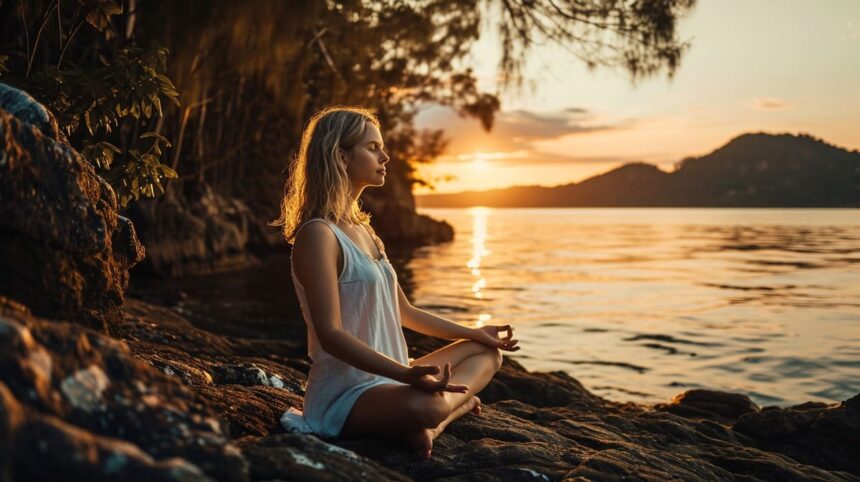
[{"x": 480, "y": 163}]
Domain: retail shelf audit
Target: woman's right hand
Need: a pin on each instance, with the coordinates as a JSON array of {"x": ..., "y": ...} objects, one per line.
[{"x": 421, "y": 377}]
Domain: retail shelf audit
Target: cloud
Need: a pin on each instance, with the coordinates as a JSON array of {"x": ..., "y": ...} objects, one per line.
[
  {"x": 769, "y": 103},
  {"x": 517, "y": 134}
]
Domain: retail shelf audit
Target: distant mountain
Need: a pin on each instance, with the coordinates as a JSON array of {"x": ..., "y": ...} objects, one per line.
[{"x": 752, "y": 170}]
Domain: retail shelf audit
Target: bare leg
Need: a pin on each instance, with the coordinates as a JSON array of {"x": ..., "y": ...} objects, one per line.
[
  {"x": 397, "y": 409},
  {"x": 457, "y": 354}
]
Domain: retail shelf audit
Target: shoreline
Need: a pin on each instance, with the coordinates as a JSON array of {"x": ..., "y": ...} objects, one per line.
[{"x": 542, "y": 425}]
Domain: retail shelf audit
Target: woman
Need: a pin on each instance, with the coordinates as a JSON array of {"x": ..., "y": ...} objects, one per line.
[{"x": 361, "y": 380}]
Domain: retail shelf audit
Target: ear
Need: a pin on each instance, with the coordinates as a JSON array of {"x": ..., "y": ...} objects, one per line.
[{"x": 343, "y": 154}]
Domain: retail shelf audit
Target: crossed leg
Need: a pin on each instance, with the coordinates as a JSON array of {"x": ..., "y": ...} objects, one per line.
[{"x": 418, "y": 416}]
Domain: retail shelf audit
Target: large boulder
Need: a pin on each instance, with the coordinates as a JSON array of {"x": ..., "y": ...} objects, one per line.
[
  {"x": 76, "y": 403},
  {"x": 66, "y": 252}
]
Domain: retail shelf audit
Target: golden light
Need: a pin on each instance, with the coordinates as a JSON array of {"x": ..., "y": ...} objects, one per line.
[
  {"x": 480, "y": 162},
  {"x": 483, "y": 318}
]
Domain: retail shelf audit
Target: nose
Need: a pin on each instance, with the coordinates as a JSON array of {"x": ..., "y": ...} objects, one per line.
[{"x": 385, "y": 158}]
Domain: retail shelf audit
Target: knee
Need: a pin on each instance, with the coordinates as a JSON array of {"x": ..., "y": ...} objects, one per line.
[
  {"x": 492, "y": 354},
  {"x": 427, "y": 410},
  {"x": 496, "y": 356}
]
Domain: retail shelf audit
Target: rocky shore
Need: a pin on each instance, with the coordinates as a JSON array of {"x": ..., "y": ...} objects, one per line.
[{"x": 98, "y": 386}]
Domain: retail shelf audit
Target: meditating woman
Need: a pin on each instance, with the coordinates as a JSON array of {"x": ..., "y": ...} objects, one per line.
[{"x": 362, "y": 382}]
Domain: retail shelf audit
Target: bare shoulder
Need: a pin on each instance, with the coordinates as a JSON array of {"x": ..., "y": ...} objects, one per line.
[
  {"x": 315, "y": 246},
  {"x": 313, "y": 232}
]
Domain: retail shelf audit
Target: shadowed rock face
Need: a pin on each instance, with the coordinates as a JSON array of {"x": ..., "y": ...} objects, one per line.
[
  {"x": 66, "y": 252},
  {"x": 182, "y": 237}
]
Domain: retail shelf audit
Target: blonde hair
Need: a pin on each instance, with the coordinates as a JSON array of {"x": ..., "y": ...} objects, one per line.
[{"x": 318, "y": 185}]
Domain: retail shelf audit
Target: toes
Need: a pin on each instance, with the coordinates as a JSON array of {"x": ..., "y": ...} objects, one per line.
[{"x": 477, "y": 408}]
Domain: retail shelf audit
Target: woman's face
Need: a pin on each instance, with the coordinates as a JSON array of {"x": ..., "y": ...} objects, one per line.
[{"x": 365, "y": 162}]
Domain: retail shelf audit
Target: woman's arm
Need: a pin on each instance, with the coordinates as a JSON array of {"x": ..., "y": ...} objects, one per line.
[
  {"x": 429, "y": 324},
  {"x": 315, "y": 258}
]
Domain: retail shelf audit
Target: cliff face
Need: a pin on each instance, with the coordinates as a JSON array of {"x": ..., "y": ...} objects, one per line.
[{"x": 94, "y": 388}]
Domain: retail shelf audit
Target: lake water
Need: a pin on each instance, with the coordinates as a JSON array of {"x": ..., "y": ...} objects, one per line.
[{"x": 642, "y": 304}]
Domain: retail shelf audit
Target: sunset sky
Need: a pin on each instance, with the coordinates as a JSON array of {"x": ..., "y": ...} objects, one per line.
[{"x": 764, "y": 65}]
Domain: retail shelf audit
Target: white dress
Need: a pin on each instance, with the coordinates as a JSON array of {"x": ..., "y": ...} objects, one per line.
[{"x": 369, "y": 311}]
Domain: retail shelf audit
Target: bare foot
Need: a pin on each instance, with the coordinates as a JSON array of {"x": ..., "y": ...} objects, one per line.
[{"x": 422, "y": 442}]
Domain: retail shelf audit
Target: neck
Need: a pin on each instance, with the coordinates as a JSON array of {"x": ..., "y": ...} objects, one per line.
[{"x": 355, "y": 193}]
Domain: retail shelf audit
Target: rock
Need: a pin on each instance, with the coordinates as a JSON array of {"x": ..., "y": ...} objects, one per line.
[
  {"x": 813, "y": 433},
  {"x": 195, "y": 234},
  {"x": 84, "y": 391},
  {"x": 721, "y": 407},
  {"x": 66, "y": 254},
  {"x": 393, "y": 213},
  {"x": 402, "y": 226},
  {"x": 46, "y": 448},
  {"x": 303, "y": 457},
  {"x": 28, "y": 111}
]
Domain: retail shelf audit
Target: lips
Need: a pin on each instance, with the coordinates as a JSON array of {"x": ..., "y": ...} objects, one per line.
[{"x": 381, "y": 171}]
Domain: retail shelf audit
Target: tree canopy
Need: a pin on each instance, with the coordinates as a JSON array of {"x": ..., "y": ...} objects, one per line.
[{"x": 218, "y": 91}]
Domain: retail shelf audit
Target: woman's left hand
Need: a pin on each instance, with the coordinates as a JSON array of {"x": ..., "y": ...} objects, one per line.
[{"x": 490, "y": 336}]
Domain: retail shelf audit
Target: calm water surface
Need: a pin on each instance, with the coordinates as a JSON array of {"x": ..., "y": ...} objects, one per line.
[{"x": 642, "y": 304}]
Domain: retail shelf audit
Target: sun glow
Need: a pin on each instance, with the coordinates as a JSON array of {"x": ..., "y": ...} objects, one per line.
[
  {"x": 480, "y": 165},
  {"x": 480, "y": 162}
]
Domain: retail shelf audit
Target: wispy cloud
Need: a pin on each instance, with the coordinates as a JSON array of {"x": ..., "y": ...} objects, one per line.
[
  {"x": 769, "y": 103},
  {"x": 518, "y": 135}
]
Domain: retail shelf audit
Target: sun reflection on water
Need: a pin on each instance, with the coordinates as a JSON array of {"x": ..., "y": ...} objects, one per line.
[{"x": 479, "y": 251}]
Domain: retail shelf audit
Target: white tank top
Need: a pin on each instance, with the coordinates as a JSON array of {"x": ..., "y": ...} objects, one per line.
[{"x": 369, "y": 310}]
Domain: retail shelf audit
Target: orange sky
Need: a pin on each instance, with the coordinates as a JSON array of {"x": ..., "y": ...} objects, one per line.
[{"x": 773, "y": 66}]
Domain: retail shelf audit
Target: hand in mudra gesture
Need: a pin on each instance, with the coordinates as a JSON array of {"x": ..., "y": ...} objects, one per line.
[
  {"x": 421, "y": 377},
  {"x": 490, "y": 336}
]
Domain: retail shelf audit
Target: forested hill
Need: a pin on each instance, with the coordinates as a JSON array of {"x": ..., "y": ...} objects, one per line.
[{"x": 751, "y": 170}]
